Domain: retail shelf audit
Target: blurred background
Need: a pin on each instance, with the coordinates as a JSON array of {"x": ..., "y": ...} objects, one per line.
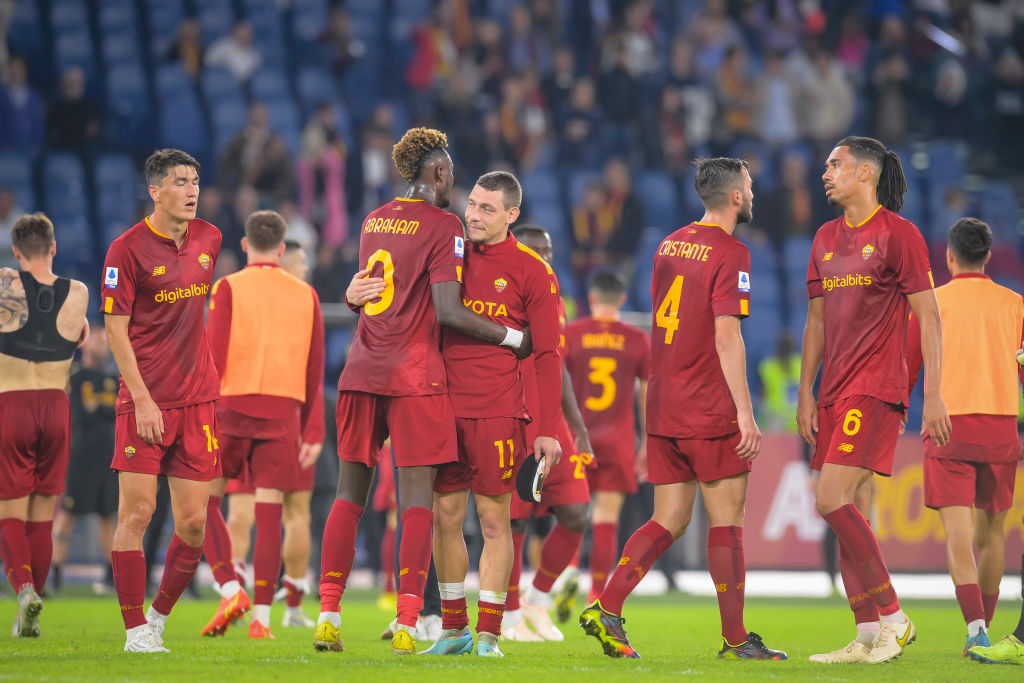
[{"x": 598, "y": 106}]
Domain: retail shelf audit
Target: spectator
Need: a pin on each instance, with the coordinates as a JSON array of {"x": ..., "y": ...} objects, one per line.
[
  {"x": 592, "y": 225},
  {"x": 299, "y": 229},
  {"x": 236, "y": 53},
  {"x": 665, "y": 141},
  {"x": 780, "y": 376},
  {"x": 328, "y": 279},
  {"x": 1007, "y": 107},
  {"x": 342, "y": 45},
  {"x": 526, "y": 47},
  {"x": 826, "y": 102},
  {"x": 187, "y": 47},
  {"x": 626, "y": 209},
  {"x": 792, "y": 209},
  {"x": 321, "y": 175},
  {"x": 737, "y": 97},
  {"x": 257, "y": 156},
  {"x": 776, "y": 118},
  {"x": 619, "y": 93},
  {"x": 637, "y": 38},
  {"x": 6, "y": 14},
  {"x": 581, "y": 128},
  {"x": 889, "y": 72},
  {"x": 22, "y": 116},
  {"x": 214, "y": 209},
  {"x": 712, "y": 33},
  {"x": 9, "y": 213},
  {"x": 523, "y": 122},
  {"x": 854, "y": 44},
  {"x": 73, "y": 119},
  {"x": 558, "y": 83}
]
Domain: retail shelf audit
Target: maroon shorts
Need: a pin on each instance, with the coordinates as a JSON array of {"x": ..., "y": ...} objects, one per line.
[
  {"x": 189, "y": 449},
  {"x": 35, "y": 442},
  {"x": 858, "y": 431},
  {"x": 566, "y": 485},
  {"x": 987, "y": 486},
  {"x": 673, "y": 461},
  {"x": 385, "y": 496},
  {"x": 614, "y": 467},
  {"x": 490, "y": 452},
  {"x": 240, "y": 485},
  {"x": 267, "y": 463},
  {"x": 422, "y": 428}
]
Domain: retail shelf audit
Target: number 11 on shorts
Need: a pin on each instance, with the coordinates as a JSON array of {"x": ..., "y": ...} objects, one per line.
[
  {"x": 211, "y": 440},
  {"x": 501, "y": 453}
]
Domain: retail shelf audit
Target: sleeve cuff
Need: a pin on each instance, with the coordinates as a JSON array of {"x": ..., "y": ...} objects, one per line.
[
  {"x": 918, "y": 282},
  {"x": 737, "y": 307},
  {"x": 814, "y": 289}
]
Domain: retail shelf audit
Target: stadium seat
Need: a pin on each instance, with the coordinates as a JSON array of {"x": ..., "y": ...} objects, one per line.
[
  {"x": 16, "y": 175},
  {"x": 76, "y": 248},
  {"x": 183, "y": 127},
  {"x": 64, "y": 182},
  {"x": 309, "y": 19},
  {"x": 315, "y": 84},
  {"x": 216, "y": 19},
  {"x": 796, "y": 253},
  {"x": 117, "y": 17},
  {"x": 25, "y": 33},
  {"x": 120, "y": 47},
  {"x": 127, "y": 121},
  {"x": 217, "y": 84},
  {"x": 228, "y": 118},
  {"x": 269, "y": 84},
  {"x": 172, "y": 82},
  {"x": 68, "y": 15},
  {"x": 75, "y": 48},
  {"x": 577, "y": 185},
  {"x": 541, "y": 186},
  {"x": 284, "y": 120},
  {"x": 160, "y": 15},
  {"x": 947, "y": 161},
  {"x": 657, "y": 193},
  {"x": 997, "y": 206}
]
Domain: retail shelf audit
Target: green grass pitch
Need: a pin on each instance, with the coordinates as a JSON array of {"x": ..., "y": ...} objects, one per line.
[{"x": 676, "y": 635}]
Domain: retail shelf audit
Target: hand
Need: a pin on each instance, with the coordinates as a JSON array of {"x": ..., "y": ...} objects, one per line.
[
  {"x": 750, "y": 437},
  {"x": 584, "y": 448},
  {"x": 903, "y": 423},
  {"x": 364, "y": 288},
  {"x": 807, "y": 418},
  {"x": 308, "y": 454},
  {"x": 526, "y": 348},
  {"x": 935, "y": 419},
  {"x": 550, "y": 449},
  {"x": 641, "y": 463},
  {"x": 149, "y": 421}
]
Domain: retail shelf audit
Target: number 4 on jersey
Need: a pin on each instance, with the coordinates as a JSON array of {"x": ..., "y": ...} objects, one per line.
[{"x": 667, "y": 315}]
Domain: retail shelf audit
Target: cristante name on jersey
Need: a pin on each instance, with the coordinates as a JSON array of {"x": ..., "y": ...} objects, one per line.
[
  {"x": 489, "y": 308},
  {"x": 604, "y": 340},
  {"x": 852, "y": 280},
  {"x": 391, "y": 225},
  {"x": 687, "y": 250},
  {"x": 169, "y": 296}
]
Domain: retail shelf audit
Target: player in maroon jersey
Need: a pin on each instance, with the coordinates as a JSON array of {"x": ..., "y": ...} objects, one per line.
[
  {"x": 512, "y": 285},
  {"x": 867, "y": 269},
  {"x": 394, "y": 382},
  {"x": 566, "y": 494},
  {"x": 155, "y": 280},
  {"x": 606, "y": 359},
  {"x": 700, "y": 420}
]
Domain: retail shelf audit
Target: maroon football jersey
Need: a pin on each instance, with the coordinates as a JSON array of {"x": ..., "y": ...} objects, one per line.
[
  {"x": 864, "y": 274},
  {"x": 700, "y": 272},
  {"x": 605, "y": 358},
  {"x": 511, "y": 285},
  {"x": 163, "y": 288},
  {"x": 412, "y": 244}
]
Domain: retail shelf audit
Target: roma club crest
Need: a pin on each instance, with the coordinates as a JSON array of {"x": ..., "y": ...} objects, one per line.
[
  {"x": 204, "y": 261},
  {"x": 500, "y": 284},
  {"x": 867, "y": 251}
]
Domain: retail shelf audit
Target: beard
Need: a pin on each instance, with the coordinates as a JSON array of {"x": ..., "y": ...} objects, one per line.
[{"x": 746, "y": 214}]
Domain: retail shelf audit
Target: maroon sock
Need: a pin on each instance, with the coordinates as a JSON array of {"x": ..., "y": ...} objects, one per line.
[
  {"x": 40, "y": 545},
  {"x": 729, "y": 572},
  {"x": 644, "y": 547},
  {"x": 557, "y": 552},
  {"x": 266, "y": 554},
  {"x": 453, "y": 614},
  {"x": 179, "y": 568},
  {"x": 989, "y": 600},
  {"x": 602, "y": 555},
  {"x": 16, "y": 552},
  {"x": 338, "y": 552},
  {"x": 855, "y": 533},
  {"x": 414, "y": 562},
  {"x": 512, "y": 601},
  {"x": 864, "y": 610},
  {"x": 387, "y": 560},
  {"x": 129, "y": 568},
  {"x": 217, "y": 544},
  {"x": 968, "y": 596},
  {"x": 488, "y": 617},
  {"x": 294, "y": 596}
]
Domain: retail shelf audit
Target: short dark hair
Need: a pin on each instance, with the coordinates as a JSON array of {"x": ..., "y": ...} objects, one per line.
[
  {"x": 32, "y": 234},
  {"x": 716, "y": 178},
  {"x": 970, "y": 240},
  {"x": 529, "y": 230},
  {"x": 291, "y": 245},
  {"x": 608, "y": 285},
  {"x": 162, "y": 161},
  {"x": 892, "y": 183},
  {"x": 511, "y": 190},
  {"x": 410, "y": 153},
  {"x": 265, "y": 230}
]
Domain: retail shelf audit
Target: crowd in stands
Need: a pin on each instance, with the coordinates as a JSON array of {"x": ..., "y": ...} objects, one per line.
[{"x": 598, "y": 105}]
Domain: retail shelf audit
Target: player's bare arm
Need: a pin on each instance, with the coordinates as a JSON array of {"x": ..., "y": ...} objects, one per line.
[
  {"x": 571, "y": 410},
  {"x": 148, "y": 420},
  {"x": 641, "y": 451},
  {"x": 733, "y": 357},
  {"x": 451, "y": 312},
  {"x": 810, "y": 362},
  {"x": 71, "y": 321},
  {"x": 935, "y": 418},
  {"x": 13, "y": 309}
]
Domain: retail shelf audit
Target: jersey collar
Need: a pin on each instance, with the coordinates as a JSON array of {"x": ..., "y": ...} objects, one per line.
[
  {"x": 973, "y": 276},
  {"x": 162, "y": 236},
  {"x": 873, "y": 214}
]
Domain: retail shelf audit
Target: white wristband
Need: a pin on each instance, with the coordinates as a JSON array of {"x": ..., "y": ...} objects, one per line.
[{"x": 513, "y": 338}]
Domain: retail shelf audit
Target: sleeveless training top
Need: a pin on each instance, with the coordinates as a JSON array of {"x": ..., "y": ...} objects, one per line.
[{"x": 39, "y": 339}]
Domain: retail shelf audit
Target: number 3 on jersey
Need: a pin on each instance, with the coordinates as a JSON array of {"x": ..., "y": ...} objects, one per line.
[
  {"x": 382, "y": 256},
  {"x": 668, "y": 310},
  {"x": 601, "y": 369}
]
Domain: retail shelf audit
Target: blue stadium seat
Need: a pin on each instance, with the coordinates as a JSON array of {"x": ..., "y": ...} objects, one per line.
[
  {"x": 74, "y": 48},
  {"x": 216, "y": 19},
  {"x": 228, "y": 118},
  {"x": 127, "y": 121},
  {"x": 796, "y": 254},
  {"x": 183, "y": 127},
  {"x": 309, "y": 19},
  {"x": 162, "y": 18},
  {"x": 120, "y": 48},
  {"x": 997, "y": 206},
  {"x": 284, "y": 120},
  {"x": 16, "y": 175},
  {"x": 657, "y": 193},
  {"x": 947, "y": 161},
  {"x": 118, "y": 190},
  {"x": 315, "y": 84},
  {"x": 217, "y": 84},
  {"x": 650, "y": 239},
  {"x": 578, "y": 182},
  {"x": 117, "y": 17},
  {"x": 541, "y": 186},
  {"x": 64, "y": 183},
  {"x": 692, "y": 206},
  {"x": 25, "y": 33},
  {"x": 269, "y": 84},
  {"x": 762, "y": 257},
  {"x": 67, "y": 15},
  {"x": 76, "y": 248},
  {"x": 172, "y": 82}
]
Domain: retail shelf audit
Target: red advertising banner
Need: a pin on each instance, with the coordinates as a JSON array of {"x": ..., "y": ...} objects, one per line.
[{"x": 784, "y": 531}]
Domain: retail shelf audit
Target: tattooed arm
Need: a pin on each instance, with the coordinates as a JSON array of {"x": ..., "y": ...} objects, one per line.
[{"x": 13, "y": 309}]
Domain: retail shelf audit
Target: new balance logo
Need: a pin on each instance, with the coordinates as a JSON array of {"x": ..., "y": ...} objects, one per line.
[
  {"x": 506, "y": 475},
  {"x": 846, "y": 447},
  {"x": 624, "y": 561},
  {"x": 159, "y": 270},
  {"x": 336, "y": 575},
  {"x": 828, "y": 256}
]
